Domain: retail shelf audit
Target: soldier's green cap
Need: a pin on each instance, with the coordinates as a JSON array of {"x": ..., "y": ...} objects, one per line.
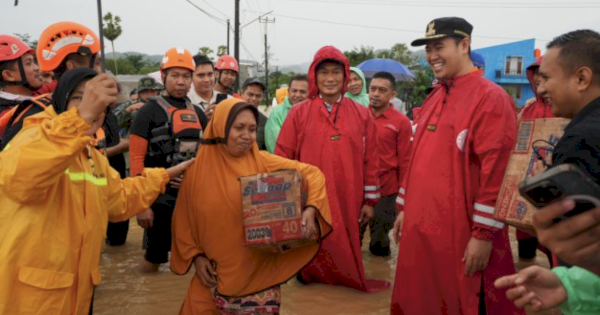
[{"x": 148, "y": 83}]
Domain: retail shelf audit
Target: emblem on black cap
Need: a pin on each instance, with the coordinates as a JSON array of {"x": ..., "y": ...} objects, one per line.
[
  {"x": 431, "y": 29},
  {"x": 445, "y": 27}
]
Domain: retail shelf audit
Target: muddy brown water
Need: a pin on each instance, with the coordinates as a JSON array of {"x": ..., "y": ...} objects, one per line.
[{"x": 125, "y": 291}]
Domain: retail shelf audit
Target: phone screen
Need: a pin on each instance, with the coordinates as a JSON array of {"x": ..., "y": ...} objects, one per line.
[
  {"x": 545, "y": 193},
  {"x": 221, "y": 97}
]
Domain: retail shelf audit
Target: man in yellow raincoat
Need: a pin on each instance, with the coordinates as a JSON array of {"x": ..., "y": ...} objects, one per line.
[{"x": 57, "y": 193}]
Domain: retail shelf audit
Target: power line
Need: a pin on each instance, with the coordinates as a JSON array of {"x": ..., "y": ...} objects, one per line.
[
  {"x": 258, "y": 5},
  {"x": 385, "y": 28},
  {"x": 214, "y": 8},
  {"x": 478, "y": 5},
  {"x": 216, "y": 19},
  {"x": 248, "y": 52},
  {"x": 255, "y": 32}
]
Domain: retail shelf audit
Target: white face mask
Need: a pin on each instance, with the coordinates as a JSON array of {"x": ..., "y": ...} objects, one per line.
[{"x": 14, "y": 97}]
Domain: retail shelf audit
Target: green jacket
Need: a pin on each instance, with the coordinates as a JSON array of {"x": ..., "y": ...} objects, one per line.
[
  {"x": 276, "y": 119},
  {"x": 363, "y": 97},
  {"x": 583, "y": 291}
]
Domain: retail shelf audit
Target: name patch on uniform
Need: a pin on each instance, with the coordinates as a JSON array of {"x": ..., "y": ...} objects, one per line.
[
  {"x": 431, "y": 127},
  {"x": 337, "y": 137},
  {"x": 188, "y": 118}
]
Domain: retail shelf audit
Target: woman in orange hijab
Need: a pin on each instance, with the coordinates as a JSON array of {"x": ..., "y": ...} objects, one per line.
[{"x": 207, "y": 223}]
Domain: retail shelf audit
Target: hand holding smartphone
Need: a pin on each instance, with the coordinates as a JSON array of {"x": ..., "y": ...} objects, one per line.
[
  {"x": 221, "y": 97},
  {"x": 558, "y": 183}
]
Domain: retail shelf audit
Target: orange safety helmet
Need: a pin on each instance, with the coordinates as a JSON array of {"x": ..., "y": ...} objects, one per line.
[
  {"x": 177, "y": 58},
  {"x": 227, "y": 62},
  {"x": 62, "y": 39}
]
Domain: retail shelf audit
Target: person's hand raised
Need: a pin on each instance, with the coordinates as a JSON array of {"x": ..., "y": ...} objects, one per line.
[{"x": 100, "y": 93}]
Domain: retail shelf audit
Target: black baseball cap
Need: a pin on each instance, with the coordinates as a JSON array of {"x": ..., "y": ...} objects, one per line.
[
  {"x": 254, "y": 80},
  {"x": 445, "y": 27}
]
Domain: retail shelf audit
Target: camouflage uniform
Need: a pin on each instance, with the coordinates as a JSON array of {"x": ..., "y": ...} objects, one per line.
[{"x": 125, "y": 118}]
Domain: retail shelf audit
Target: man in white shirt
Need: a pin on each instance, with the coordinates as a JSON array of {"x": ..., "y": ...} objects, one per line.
[{"x": 202, "y": 93}]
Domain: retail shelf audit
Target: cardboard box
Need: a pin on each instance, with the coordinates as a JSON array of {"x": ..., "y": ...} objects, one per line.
[
  {"x": 272, "y": 208},
  {"x": 543, "y": 134}
]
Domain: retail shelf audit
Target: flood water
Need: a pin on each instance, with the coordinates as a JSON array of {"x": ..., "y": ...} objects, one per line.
[{"x": 126, "y": 291}]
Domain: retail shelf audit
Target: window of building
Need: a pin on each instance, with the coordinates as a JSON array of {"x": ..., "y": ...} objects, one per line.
[
  {"x": 514, "y": 65},
  {"x": 514, "y": 90}
]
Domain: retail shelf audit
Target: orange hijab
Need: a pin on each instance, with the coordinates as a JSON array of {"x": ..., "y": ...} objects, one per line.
[{"x": 208, "y": 215}]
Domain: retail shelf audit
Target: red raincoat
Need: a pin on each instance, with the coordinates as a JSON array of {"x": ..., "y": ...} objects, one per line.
[
  {"x": 343, "y": 145},
  {"x": 466, "y": 130},
  {"x": 536, "y": 110},
  {"x": 539, "y": 108}
]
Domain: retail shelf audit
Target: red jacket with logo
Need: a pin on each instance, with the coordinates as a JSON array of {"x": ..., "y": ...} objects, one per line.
[
  {"x": 394, "y": 133},
  {"x": 466, "y": 130},
  {"x": 343, "y": 145}
]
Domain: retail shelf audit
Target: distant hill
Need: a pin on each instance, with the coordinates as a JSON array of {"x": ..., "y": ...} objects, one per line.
[
  {"x": 150, "y": 58},
  {"x": 299, "y": 68}
]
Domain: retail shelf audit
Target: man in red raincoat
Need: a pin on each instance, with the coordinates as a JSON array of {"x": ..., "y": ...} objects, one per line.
[
  {"x": 337, "y": 135},
  {"x": 452, "y": 249}
]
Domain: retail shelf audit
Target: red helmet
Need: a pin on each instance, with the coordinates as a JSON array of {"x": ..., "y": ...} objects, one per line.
[
  {"x": 12, "y": 48},
  {"x": 227, "y": 62}
]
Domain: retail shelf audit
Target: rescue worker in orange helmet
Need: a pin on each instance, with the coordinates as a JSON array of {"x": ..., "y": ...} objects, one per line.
[
  {"x": 166, "y": 130},
  {"x": 65, "y": 46},
  {"x": 19, "y": 73},
  {"x": 54, "y": 185},
  {"x": 62, "y": 47}
]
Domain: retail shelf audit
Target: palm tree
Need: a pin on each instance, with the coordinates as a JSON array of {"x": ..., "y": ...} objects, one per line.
[
  {"x": 205, "y": 51},
  {"x": 222, "y": 50},
  {"x": 112, "y": 30},
  {"x": 401, "y": 54}
]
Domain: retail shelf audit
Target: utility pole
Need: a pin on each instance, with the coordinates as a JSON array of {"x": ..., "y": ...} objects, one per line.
[
  {"x": 266, "y": 21},
  {"x": 228, "y": 32},
  {"x": 237, "y": 41}
]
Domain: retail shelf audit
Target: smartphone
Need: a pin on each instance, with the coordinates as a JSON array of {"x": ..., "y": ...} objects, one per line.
[
  {"x": 221, "y": 97},
  {"x": 557, "y": 183}
]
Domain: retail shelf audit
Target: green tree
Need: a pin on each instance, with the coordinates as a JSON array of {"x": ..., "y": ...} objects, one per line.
[
  {"x": 385, "y": 54},
  {"x": 414, "y": 92},
  {"x": 112, "y": 30},
  {"x": 276, "y": 79},
  {"x": 358, "y": 55},
  {"x": 205, "y": 51},
  {"x": 149, "y": 68},
  {"x": 137, "y": 62},
  {"x": 27, "y": 40},
  {"x": 221, "y": 50},
  {"x": 132, "y": 64},
  {"x": 400, "y": 53}
]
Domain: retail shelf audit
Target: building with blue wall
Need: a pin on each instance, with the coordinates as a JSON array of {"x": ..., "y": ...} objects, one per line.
[{"x": 506, "y": 65}]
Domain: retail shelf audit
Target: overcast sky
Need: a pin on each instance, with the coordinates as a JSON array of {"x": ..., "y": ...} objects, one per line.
[{"x": 153, "y": 26}]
